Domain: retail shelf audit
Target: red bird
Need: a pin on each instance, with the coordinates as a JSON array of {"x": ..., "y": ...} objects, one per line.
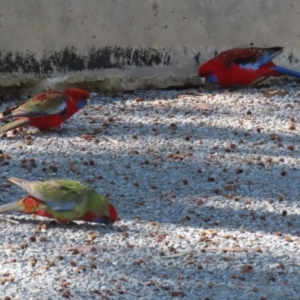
[
  {"x": 45, "y": 111},
  {"x": 243, "y": 66}
]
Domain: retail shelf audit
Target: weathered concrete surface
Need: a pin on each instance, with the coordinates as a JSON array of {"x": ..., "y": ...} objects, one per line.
[{"x": 123, "y": 45}]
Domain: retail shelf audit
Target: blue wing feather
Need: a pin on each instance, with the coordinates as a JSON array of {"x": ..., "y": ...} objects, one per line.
[
  {"x": 251, "y": 58},
  {"x": 264, "y": 59}
]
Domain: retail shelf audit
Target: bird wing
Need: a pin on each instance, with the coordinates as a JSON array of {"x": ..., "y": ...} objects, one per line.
[
  {"x": 59, "y": 194},
  {"x": 45, "y": 104},
  {"x": 250, "y": 58}
]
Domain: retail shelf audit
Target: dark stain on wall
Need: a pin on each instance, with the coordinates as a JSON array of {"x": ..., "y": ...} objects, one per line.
[
  {"x": 292, "y": 59},
  {"x": 70, "y": 60},
  {"x": 197, "y": 58}
]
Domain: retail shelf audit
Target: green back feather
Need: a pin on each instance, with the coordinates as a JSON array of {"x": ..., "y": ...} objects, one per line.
[{"x": 51, "y": 103}]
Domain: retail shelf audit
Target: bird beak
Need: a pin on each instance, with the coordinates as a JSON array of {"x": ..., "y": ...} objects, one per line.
[
  {"x": 92, "y": 95},
  {"x": 203, "y": 80}
]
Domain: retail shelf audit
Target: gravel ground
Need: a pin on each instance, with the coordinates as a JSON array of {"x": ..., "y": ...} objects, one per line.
[{"x": 208, "y": 200}]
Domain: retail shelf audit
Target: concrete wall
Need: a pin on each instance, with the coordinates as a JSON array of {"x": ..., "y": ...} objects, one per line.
[{"x": 132, "y": 44}]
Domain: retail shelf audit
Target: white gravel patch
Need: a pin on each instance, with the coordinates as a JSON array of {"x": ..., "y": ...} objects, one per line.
[{"x": 208, "y": 201}]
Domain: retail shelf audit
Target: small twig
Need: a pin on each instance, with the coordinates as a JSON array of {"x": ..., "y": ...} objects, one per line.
[
  {"x": 189, "y": 93},
  {"x": 203, "y": 106},
  {"x": 234, "y": 249},
  {"x": 174, "y": 255},
  {"x": 87, "y": 248},
  {"x": 111, "y": 140},
  {"x": 9, "y": 220}
]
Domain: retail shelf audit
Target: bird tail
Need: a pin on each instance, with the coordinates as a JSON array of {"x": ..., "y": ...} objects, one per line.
[
  {"x": 287, "y": 71},
  {"x": 14, "y": 124},
  {"x": 10, "y": 207},
  {"x": 22, "y": 183}
]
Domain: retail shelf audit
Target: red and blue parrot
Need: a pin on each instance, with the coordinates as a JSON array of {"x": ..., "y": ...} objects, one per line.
[
  {"x": 45, "y": 111},
  {"x": 243, "y": 66}
]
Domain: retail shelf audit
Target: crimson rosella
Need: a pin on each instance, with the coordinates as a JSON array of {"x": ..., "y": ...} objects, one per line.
[
  {"x": 63, "y": 200},
  {"x": 243, "y": 66},
  {"x": 45, "y": 111}
]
